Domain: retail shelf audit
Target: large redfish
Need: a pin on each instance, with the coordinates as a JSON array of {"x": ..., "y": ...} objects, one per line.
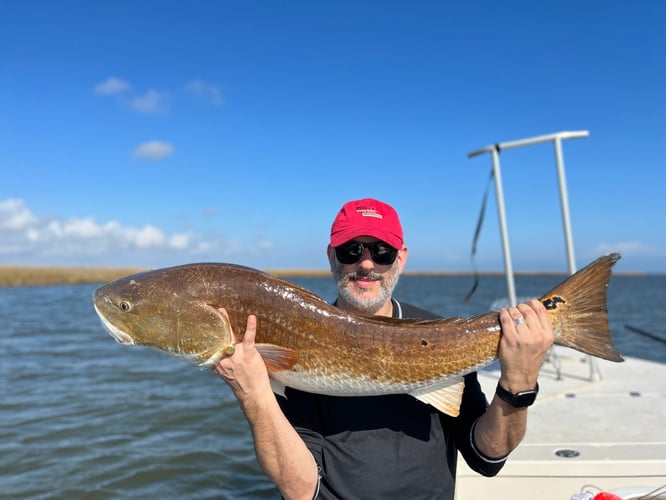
[{"x": 313, "y": 346}]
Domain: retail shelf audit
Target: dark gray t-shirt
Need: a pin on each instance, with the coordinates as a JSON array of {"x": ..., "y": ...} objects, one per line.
[{"x": 388, "y": 446}]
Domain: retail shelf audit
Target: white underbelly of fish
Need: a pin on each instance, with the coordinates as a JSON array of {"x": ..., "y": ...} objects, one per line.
[
  {"x": 345, "y": 384},
  {"x": 443, "y": 392}
]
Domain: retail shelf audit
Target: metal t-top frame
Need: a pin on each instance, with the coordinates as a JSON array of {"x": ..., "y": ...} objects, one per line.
[{"x": 494, "y": 150}]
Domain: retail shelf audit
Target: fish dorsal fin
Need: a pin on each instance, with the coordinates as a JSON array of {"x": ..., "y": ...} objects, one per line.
[
  {"x": 426, "y": 322},
  {"x": 446, "y": 400},
  {"x": 277, "y": 358}
]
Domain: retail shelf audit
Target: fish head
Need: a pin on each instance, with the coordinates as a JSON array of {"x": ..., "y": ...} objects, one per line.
[{"x": 154, "y": 309}]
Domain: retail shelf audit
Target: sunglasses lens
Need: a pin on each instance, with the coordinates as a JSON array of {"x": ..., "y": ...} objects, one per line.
[
  {"x": 383, "y": 254},
  {"x": 351, "y": 253}
]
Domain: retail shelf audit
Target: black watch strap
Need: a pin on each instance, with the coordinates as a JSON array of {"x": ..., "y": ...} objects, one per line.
[{"x": 518, "y": 400}]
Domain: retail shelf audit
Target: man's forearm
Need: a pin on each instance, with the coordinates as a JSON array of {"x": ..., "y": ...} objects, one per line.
[
  {"x": 500, "y": 429},
  {"x": 281, "y": 452}
]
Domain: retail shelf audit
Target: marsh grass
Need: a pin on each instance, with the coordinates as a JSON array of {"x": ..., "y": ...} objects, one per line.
[
  {"x": 34, "y": 276},
  {"x": 39, "y": 276}
]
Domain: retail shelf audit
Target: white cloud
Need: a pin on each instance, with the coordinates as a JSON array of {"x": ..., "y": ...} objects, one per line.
[
  {"x": 111, "y": 86},
  {"x": 151, "y": 102},
  {"x": 26, "y": 238},
  {"x": 148, "y": 237},
  {"x": 153, "y": 150},
  {"x": 154, "y": 101},
  {"x": 206, "y": 91},
  {"x": 32, "y": 234},
  {"x": 203, "y": 248},
  {"x": 79, "y": 228},
  {"x": 14, "y": 215},
  {"x": 179, "y": 241}
]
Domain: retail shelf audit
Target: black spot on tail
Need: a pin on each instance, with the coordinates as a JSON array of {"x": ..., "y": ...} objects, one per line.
[{"x": 551, "y": 303}]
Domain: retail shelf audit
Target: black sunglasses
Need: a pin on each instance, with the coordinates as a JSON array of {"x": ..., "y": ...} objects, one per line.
[{"x": 352, "y": 251}]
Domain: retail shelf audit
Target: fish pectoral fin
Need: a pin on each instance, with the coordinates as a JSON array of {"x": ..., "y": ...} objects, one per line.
[
  {"x": 446, "y": 400},
  {"x": 278, "y": 388},
  {"x": 277, "y": 358},
  {"x": 212, "y": 360}
]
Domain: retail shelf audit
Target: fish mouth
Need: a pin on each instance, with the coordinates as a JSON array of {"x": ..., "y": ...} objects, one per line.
[{"x": 120, "y": 336}]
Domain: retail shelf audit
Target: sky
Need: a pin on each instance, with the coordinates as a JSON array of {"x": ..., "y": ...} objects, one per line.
[{"x": 158, "y": 133}]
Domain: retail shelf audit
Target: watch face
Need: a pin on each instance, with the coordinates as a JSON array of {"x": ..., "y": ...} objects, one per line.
[
  {"x": 520, "y": 399},
  {"x": 523, "y": 399}
]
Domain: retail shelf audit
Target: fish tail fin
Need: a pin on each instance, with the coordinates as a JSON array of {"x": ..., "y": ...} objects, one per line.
[{"x": 579, "y": 311}]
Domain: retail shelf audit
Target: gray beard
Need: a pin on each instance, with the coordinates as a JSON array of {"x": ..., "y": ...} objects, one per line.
[{"x": 357, "y": 299}]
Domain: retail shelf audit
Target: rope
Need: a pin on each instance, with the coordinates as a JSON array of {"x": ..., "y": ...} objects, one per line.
[{"x": 477, "y": 232}]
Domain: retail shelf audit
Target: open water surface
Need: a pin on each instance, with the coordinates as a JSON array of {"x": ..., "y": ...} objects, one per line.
[{"x": 83, "y": 417}]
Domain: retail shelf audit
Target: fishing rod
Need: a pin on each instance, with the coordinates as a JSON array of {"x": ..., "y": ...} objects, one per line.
[{"x": 645, "y": 334}]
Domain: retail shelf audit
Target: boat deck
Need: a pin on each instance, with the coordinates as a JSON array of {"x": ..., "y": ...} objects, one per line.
[{"x": 583, "y": 435}]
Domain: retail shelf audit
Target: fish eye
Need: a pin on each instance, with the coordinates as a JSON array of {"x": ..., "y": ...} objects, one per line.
[{"x": 125, "y": 306}]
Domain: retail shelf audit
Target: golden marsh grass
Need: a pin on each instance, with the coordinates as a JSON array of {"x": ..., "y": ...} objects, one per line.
[
  {"x": 34, "y": 276},
  {"x": 54, "y": 275}
]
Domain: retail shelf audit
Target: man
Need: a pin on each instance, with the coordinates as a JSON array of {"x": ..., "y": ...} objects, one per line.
[{"x": 376, "y": 447}]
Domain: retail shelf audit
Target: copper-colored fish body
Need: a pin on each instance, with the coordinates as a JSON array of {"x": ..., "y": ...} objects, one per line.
[{"x": 313, "y": 346}]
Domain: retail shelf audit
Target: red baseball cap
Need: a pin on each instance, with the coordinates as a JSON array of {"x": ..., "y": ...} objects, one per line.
[{"x": 367, "y": 217}]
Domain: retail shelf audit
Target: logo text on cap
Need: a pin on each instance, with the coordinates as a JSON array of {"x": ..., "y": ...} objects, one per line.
[{"x": 369, "y": 212}]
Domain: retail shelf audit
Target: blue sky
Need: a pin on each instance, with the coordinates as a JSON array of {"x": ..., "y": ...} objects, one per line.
[{"x": 147, "y": 133}]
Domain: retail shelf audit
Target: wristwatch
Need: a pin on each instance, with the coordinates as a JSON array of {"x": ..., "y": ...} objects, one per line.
[{"x": 518, "y": 400}]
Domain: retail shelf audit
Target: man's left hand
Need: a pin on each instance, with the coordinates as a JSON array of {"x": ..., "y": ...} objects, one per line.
[{"x": 527, "y": 334}]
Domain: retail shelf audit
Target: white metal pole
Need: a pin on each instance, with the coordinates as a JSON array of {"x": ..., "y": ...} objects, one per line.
[
  {"x": 577, "y": 134},
  {"x": 564, "y": 203},
  {"x": 499, "y": 193},
  {"x": 595, "y": 373}
]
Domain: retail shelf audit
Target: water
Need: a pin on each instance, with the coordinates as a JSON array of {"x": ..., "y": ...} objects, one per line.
[{"x": 83, "y": 417}]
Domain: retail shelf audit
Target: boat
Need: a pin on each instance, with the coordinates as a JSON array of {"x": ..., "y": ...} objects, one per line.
[
  {"x": 597, "y": 429},
  {"x": 583, "y": 435}
]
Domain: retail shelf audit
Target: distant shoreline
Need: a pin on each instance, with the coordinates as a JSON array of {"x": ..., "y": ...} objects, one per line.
[
  {"x": 11, "y": 276},
  {"x": 55, "y": 275}
]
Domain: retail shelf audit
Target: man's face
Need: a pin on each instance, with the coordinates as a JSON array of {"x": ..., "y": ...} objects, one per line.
[{"x": 366, "y": 286}]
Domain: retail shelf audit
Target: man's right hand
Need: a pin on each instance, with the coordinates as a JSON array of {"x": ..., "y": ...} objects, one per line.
[
  {"x": 281, "y": 452},
  {"x": 245, "y": 370}
]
